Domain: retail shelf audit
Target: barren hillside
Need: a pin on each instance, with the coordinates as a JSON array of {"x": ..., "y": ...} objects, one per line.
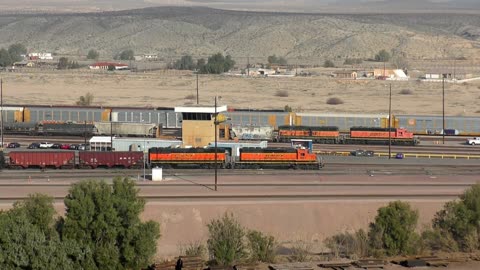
[{"x": 173, "y": 31}]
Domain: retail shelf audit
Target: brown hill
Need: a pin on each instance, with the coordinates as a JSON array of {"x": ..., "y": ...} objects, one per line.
[{"x": 173, "y": 31}]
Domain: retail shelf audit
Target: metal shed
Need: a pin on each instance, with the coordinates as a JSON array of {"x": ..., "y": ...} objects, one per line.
[{"x": 142, "y": 144}]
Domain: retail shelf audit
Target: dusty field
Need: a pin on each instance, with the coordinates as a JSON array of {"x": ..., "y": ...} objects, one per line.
[{"x": 303, "y": 94}]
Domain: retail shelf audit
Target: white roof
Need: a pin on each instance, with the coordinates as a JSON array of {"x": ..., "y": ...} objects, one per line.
[
  {"x": 100, "y": 139},
  {"x": 201, "y": 109}
]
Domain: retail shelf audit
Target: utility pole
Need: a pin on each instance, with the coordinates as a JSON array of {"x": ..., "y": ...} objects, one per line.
[
  {"x": 197, "y": 86},
  {"x": 443, "y": 109},
  {"x": 85, "y": 134},
  {"x": 248, "y": 66},
  {"x": 1, "y": 109},
  {"x": 390, "y": 124},
  {"x": 215, "y": 123},
  {"x": 111, "y": 132}
]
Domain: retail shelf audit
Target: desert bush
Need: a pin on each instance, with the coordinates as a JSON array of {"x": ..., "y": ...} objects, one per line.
[
  {"x": 328, "y": 64},
  {"x": 334, "y": 101},
  {"x": 393, "y": 231},
  {"x": 191, "y": 96},
  {"x": 382, "y": 56},
  {"x": 406, "y": 92},
  {"x": 196, "y": 249},
  {"x": 262, "y": 246},
  {"x": 226, "y": 243},
  {"x": 86, "y": 100},
  {"x": 300, "y": 252},
  {"x": 281, "y": 93},
  {"x": 287, "y": 108},
  {"x": 438, "y": 240},
  {"x": 461, "y": 219},
  {"x": 349, "y": 245}
]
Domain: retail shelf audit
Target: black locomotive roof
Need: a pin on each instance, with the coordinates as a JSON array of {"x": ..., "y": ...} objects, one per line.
[{"x": 320, "y": 128}]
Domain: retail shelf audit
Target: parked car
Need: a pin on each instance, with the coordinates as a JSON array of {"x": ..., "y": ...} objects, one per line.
[
  {"x": 56, "y": 146},
  {"x": 13, "y": 145},
  {"x": 73, "y": 147},
  {"x": 473, "y": 141},
  {"x": 83, "y": 147},
  {"x": 362, "y": 153},
  {"x": 65, "y": 146},
  {"x": 34, "y": 146},
  {"x": 46, "y": 145},
  {"x": 399, "y": 156}
]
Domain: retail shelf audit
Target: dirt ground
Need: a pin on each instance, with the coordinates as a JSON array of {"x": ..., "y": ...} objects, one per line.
[{"x": 303, "y": 94}]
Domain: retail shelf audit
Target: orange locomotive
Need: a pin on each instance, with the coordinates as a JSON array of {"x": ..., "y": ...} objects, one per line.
[
  {"x": 249, "y": 158},
  {"x": 367, "y": 135},
  {"x": 323, "y": 134}
]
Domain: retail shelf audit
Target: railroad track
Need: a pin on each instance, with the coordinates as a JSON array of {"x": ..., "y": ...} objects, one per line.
[{"x": 270, "y": 198}]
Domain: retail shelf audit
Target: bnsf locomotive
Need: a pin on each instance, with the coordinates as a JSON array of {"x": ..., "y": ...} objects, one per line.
[
  {"x": 249, "y": 158},
  {"x": 357, "y": 135}
]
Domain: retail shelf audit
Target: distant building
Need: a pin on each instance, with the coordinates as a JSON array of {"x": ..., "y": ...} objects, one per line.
[
  {"x": 345, "y": 74},
  {"x": 106, "y": 65},
  {"x": 150, "y": 56},
  {"x": 390, "y": 74},
  {"x": 448, "y": 74},
  {"x": 24, "y": 63},
  {"x": 40, "y": 56},
  {"x": 260, "y": 72}
]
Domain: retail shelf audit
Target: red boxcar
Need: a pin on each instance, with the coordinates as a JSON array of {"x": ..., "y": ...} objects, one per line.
[
  {"x": 41, "y": 159},
  {"x": 110, "y": 159}
]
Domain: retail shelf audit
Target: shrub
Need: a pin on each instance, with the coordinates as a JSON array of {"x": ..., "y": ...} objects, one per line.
[
  {"x": 328, "y": 64},
  {"x": 349, "y": 245},
  {"x": 196, "y": 249},
  {"x": 86, "y": 100},
  {"x": 406, "y": 92},
  {"x": 262, "y": 246},
  {"x": 226, "y": 240},
  {"x": 334, "y": 101},
  {"x": 460, "y": 219},
  {"x": 300, "y": 252},
  {"x": 191, "y": 96},
  {"x": 392, "y": 232},
  {"x": 287, "y": 108},
  {"x": 438, "y": 240},
  {"x": 281, "y": 93}
]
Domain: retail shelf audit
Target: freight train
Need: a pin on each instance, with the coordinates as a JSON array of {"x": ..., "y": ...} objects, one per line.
[
  {"x": 357, "y": 135},
  {"x": 249, "y": 158},
  {"x": 168, "y": 118}
]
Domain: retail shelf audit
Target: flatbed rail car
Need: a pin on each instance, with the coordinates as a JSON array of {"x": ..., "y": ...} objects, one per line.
[{"x": 368, "y": 135}]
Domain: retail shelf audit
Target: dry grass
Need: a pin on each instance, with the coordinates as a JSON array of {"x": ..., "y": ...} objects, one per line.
[{"x": 191, "y": 97}]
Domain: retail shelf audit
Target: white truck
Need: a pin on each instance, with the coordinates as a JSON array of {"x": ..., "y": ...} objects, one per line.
[
  {"x": 45, "y": 145},
  {"x": 473, "y": 141}
]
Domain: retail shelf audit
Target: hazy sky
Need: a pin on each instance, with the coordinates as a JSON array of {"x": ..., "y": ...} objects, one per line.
[{"x": 264, "y": 5}]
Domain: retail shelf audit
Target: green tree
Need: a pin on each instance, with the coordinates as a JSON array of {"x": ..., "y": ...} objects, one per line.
[
  {"x": 16, "y": 50},
  {"x": 382, "y": 56},
  {"x": 226, "y": 240},
  {"x": 93, "y": 54},
  {"x": 461, "y": 219},
  {"x": 63, "y": 63},
  {"x": 127, "y": 55},
  {"x": 394, "y": 229},
  {"x": 28, "y": 239},
  {"x": 200, "y": 63},
  {"x": 328, "y": 64},
  {"x": 104, "y": 222},
  {"x": 217, "y": 64},
  {"x": 185, "y": 63},
  {"x": 5, "y": 59}
]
